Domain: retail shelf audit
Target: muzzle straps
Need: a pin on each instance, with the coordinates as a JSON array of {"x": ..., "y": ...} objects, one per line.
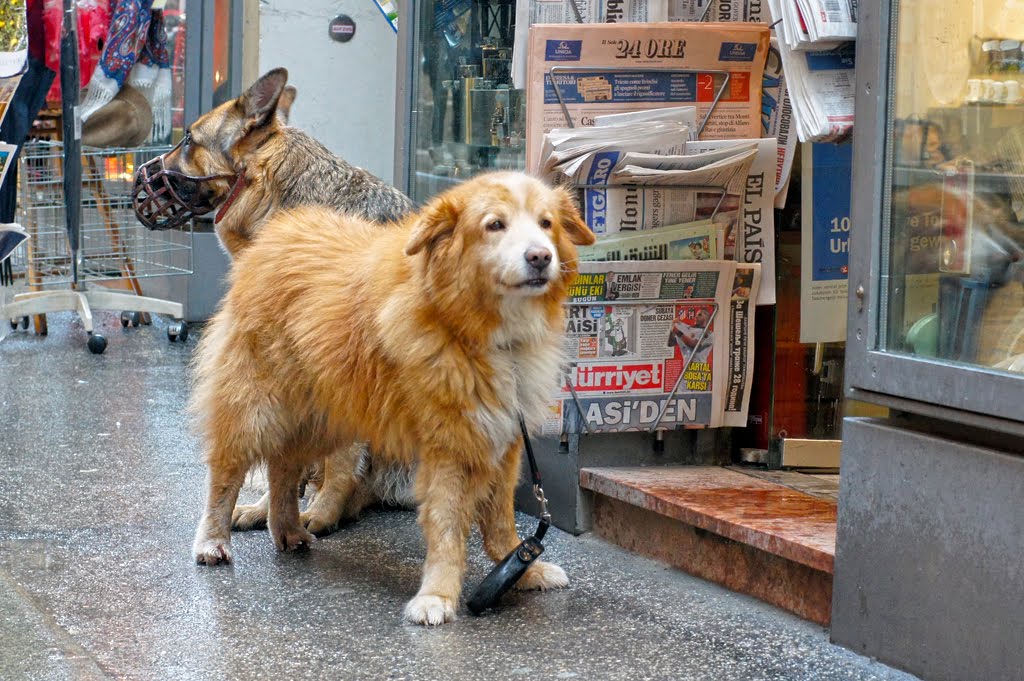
[{"x": 168, "y": 199}]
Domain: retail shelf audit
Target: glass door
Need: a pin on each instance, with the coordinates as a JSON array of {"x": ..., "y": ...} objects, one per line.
[
  {"x": 468, "y": 117},
  {"x": 938, "y": 301}
]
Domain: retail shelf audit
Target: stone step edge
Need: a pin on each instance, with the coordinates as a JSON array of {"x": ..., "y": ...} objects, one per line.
[{"x": 810, "y": 556}]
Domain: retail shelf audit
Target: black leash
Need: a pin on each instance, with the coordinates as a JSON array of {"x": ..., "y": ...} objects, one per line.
[{"x": 506, "y": 573}]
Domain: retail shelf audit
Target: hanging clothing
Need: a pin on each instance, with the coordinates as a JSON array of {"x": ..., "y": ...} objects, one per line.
[
  {"x": 29, "y": 98},
  {"x": 93, "y": 26}
]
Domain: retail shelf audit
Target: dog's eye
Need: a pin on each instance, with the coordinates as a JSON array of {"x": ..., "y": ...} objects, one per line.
[
  {"x": 545, "y": 224},
  {"x": 495, "y": 226}
]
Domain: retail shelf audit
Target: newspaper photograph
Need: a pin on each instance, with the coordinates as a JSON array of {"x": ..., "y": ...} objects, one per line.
[
  {"x": 602, "y": 69},
  {"x": 647, "y": 345},
  {"x": 8, "y": 86}
]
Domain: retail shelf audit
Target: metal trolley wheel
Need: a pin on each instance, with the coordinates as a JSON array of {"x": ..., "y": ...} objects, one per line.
[{"x": 177, "y": 331}]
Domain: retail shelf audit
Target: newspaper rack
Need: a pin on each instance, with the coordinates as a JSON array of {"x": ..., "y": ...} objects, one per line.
[
  {"x": 721, "y": 190},
  {"x": 675, "y": 386},
  {"x": 554, "y": 70}
]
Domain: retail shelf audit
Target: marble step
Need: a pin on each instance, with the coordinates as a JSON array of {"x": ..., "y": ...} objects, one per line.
[{"x": 747, "y": 533}]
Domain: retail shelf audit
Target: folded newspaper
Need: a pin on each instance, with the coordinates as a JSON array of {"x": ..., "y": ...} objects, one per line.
[
  {"x": 579, "y": 72},
  {"x": 777, "y": 119},
  {"x": 691, "y": 241},
  {"x": 657, "y": 345}
]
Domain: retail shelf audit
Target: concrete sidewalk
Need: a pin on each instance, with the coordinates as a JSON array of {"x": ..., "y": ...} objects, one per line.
[{"x": 101, "y": 488}]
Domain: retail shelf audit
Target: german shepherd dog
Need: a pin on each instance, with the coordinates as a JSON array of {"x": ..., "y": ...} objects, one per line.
[
  {"x": 274, "y": 166},
  {"x": 256, "y": 165},
  {"x": 432, "y": 341}
]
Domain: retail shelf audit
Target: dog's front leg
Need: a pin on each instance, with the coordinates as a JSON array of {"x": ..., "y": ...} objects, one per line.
[
  {"x": 212, "y": 543},
  {"x": 283, "y": 475},
  {"x": 497, "y": 521},
  {"x": 447, "y": 497}
]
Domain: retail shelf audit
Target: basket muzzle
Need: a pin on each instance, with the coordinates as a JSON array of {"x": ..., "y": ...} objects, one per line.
[{"x": 168, "y": 199}]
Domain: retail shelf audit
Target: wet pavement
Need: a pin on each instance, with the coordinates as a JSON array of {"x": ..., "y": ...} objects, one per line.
[{"x": 101, "y": 487}]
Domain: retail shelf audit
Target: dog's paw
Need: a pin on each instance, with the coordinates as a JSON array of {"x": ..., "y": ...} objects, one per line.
[
  {"x": 543, "y": 576},
  {"x": 430, "y": 610},
  {"x": 293, "y": 539},
  {"x": 317, "y": 523},
  {"x": 211, "y": 552},
  {"x": 249, "y": 518}
]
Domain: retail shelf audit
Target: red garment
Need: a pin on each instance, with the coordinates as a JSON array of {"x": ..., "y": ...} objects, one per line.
[{"x": 93, "y": 24}]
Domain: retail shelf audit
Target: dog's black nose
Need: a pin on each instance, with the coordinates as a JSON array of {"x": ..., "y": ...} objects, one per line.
[{"x": 538, "y": 257}]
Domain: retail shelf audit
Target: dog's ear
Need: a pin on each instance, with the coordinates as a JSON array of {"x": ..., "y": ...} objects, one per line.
[
  {"x": 284, "y": 104},
  {"x": 436, "y": 221},
  {"x": 259, "y": 103},
  {"x": 575, "y": 228}
]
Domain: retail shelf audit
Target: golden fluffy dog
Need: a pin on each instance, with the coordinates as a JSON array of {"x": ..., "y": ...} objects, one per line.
[{"x": 426, "y": 341}]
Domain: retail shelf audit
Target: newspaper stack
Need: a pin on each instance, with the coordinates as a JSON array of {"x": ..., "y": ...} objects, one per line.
[
  {"x": 822, "y": 90},
  {"x": 649, "y": 192},
  {"x": 819, "y": 71},
  {"x": 639, "y": 175}
]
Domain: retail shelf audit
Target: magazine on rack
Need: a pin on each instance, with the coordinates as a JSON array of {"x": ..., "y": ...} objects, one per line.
[{"x": 650, "y": 346}]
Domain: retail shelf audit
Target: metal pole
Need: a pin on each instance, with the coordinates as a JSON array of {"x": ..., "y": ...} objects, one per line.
[{"x": 72, "y": 128}]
